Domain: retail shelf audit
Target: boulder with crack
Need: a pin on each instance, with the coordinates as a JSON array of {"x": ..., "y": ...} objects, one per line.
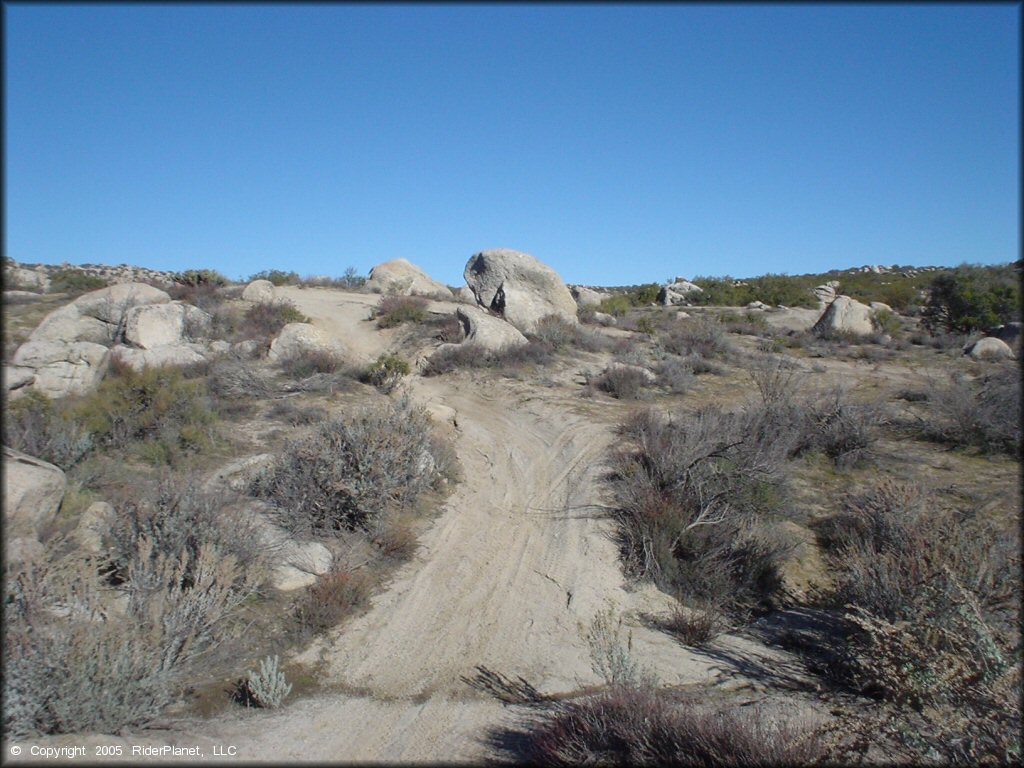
[{"x": 518, "y": 287}]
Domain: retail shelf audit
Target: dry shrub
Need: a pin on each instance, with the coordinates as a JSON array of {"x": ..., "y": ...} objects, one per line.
[
  {"x": 689, "y": 496},
  {"x": 36, "y": 425},
  {"x": 696, "y": 625},
  {"x": 560, "y": 334},
  {"x": 351, "y": 469},
  {"x": 266, "y": 319},
  {"x": 78, "y": 659},
  {"x": 984, "y": 413},
  {"x": 307, "y": 362},
  {"x": 469, "y": 355},
  {"x": 395, "y": 310},
  {"x": 174, "y": 517},
  {"x": 234, "y": 379},
  {"x": 933, "y": 601},
  {"x": 334, "y": 597},
  {"x": 675, "y": 375},
  {"x": 296, "y": 415},
  {"x": 623, "y": 382},
  {"x": 700, "y": 336},
  {"x": 639, "y": 727},
  {"x": 68, "y": 666}
]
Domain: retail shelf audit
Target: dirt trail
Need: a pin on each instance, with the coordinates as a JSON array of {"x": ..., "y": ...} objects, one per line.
[{"x": 505, "y": 577}]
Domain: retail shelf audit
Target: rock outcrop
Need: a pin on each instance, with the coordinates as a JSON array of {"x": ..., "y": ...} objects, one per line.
[
  {"x": 826, "y": 293},
  {"x": 489, "y": 332},
  {"x": 97, "y": 316},
  {"x": 57, "y": 368},
  {"x": 159, "y": 325},
  {"x": 845, "y": 315},
  {"x": 677, "y": 292},
  {"x": 402, "y": 278},
  {"x": 518, "y": 287},
  {"x": 299, "y": 338},
  {"x": 586, "y": 297},
  {"x": 259, "y": 292},
  {"x": 33, "y": 491},
  {"x": 989, "y": 348}
]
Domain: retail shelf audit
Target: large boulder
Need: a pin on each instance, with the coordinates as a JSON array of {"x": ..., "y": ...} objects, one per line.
[
  {"x": 28, "y": 279},
  {"x": 402, "y": 278},
  {"x": 677, "y": 292},
  {"x": 157, "y": 325},
  {"x": 989, "y": 348},
  {"x": 61, "y": 368},
  {"x": 587, "y": 297},
  {"x": 485, "y": 330},
  {"x": 845, "y": 315},
  {"x": 299, "y": 338},
  {"x": 259, "y": 292},
  {"x": 177, "y": 355},
  {"x": 518, "y": 287},
  {"x": 33, "y": 491},
  {"x": 97, "y": 316}
]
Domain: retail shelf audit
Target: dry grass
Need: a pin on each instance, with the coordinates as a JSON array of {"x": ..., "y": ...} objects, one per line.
[{"x": 626, "y": 726}]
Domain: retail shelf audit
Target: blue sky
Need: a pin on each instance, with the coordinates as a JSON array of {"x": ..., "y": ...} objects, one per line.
[{"x": 618, "y": 143}]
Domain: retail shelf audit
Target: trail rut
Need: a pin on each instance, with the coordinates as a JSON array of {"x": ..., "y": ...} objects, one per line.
[{"x": 505, "y": 577}]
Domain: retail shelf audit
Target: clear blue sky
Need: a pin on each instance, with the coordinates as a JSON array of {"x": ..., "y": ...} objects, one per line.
[{"x": 619, "y": 144}]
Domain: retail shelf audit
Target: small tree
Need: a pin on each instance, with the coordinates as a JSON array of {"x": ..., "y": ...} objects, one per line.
[{"x": 972, "y": 298}]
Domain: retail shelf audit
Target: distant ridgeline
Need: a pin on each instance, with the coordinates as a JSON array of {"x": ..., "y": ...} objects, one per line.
[
  {"x": 903, "y": 288},
  {"x": 58, "y": 278}
]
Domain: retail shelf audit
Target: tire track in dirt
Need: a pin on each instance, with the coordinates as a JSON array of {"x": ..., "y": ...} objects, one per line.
[{"x": 505, "y": 577}]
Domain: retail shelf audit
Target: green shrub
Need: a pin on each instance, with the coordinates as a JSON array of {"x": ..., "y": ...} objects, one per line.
[
  {"x": 972, "y": 298},
  {"x": 386, "y": 372},
  {"x": 395, "y": 310},
  {"x": 884, "y": 321},
  {"x": 276, "y": 276},
  {"x": 156, "y": 404},
  {"x": 75, "y": 281},
  {"x": 198, "y": 277}
]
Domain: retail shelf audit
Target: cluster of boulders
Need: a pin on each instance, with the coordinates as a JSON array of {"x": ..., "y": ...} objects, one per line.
[
  {"x": 678, "y": 291},
  {"x": 134, "y": 324}
]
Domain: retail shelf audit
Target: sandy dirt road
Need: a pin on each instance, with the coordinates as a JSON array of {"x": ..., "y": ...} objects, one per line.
[{"x": 507, "y": 576}]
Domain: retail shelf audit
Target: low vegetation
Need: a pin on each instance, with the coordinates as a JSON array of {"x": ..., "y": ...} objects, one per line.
[
  {"x": 395, "y": 310},
  {"x": 351, "y": 470}
]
